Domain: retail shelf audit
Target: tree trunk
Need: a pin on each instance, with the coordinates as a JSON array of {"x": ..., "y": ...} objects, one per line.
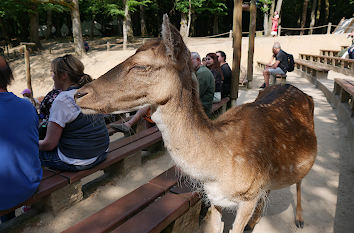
[
  {"x": 278, "y": 8},
  {"x": 76, "y": 27},
  {"x": 142, "y": 21},
  {"x": 184, "y": 26},
  {"x": 4, "y": 31},
  {"x": 313, "y": 17},
  {"x": 326, "y": 11},
  {"x": 318, "y": 12},
  {"x": 304, "y": 13},
  {"x": 92, "y": 27},
  {"x": 189, "y": 17},
  {"x": 127, "y": 26},
  {"x": 271, "y": 14},
  {"x": 34, "y": 26},
  {"x": 48, "y": 33},
  {"x": 265, "y": 23},
  {"x": 216, "y": 25}
]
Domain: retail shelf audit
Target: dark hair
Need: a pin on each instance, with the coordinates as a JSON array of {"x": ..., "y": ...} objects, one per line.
[
  {"x": 73, "y": 67},
  {"x": 222, "y": 54},
  {"x": 216, "y": 64},
  {"x": 5, "y": 73}
]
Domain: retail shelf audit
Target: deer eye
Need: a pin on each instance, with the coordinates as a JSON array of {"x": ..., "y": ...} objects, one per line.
[{"x": 140, "y": 68}]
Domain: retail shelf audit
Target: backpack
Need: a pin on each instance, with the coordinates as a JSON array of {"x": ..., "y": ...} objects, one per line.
[{"x": 291, "y": 62}]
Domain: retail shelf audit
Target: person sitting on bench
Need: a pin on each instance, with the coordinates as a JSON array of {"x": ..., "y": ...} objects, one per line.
[
  {"x": 73, "y": 141},
  {"x": 276, "y": 68},
  {"x": 20, "y": 168}
]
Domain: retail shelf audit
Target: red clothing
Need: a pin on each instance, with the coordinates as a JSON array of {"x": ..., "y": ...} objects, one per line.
[{"x": 275, "y": 20}]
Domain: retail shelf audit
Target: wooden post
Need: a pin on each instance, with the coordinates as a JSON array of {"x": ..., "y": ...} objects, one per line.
[
  {"x": 28, "y": 65},
  {"x": 252, "y": 32},
  {"x": 279, "y": 30},
  {"x": 329, "y": 28},
  {"x": 230, "y": 35},
  {"x": 237, "y": 41},
  {"x": 108, "y": 46}
]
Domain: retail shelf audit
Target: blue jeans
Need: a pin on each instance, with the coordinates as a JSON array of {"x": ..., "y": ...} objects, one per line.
[{"x": 51, "y": 159}]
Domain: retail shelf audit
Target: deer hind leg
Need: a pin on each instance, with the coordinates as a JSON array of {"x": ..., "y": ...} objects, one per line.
[
  {"x": 257, "y": 214},
  {"x": 213, "y": 222},
  {"x": 299, "y": 220},
  {"x": 244, "y": 213}
]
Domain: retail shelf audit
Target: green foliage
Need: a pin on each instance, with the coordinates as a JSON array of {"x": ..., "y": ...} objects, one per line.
[
  {"x": 265, "y": 5},
  {"x": 214, "y": 7},
  {"x": 183, "y": 5}
]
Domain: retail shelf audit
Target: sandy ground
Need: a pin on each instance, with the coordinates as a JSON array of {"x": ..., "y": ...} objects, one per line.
[{"x": 328, "y": 190}]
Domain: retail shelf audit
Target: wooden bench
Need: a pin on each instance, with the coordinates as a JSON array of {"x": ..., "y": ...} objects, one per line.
[
  {"x": 344, "y": 88},
  {"x": 149, "y": 208},
  {"x": 118, "y": 152},
  {"x": 329, "y": 52},
  {"x": 262, "y": 65},
  {"x": 310, "y": 69},
  {"x": 342, "y": 65}
]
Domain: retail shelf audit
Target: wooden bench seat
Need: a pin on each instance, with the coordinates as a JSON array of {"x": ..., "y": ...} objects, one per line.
[
  {"x": 220, "y": 105},
  {"x": 149, "y": 208},
  {"x": 51, "y": 181},
  {"x": 338, "y": 64},
  {"x": 344, "y": 88},
  {"x": 311, "y": 69}
]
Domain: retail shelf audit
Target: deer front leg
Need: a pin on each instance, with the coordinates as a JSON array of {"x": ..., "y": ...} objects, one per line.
[
  {"x": 213, "y": 222},
  {"x": 299, "y": 220},
  {"x": 244, "y": 213},
  {"x": 257, "y": 214}
]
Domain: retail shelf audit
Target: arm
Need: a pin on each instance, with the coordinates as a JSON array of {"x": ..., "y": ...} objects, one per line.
[
  {"x": 270, "y": 62},
  {"x": 51, "y": 140},
  {"x": 275, "y": 65}
]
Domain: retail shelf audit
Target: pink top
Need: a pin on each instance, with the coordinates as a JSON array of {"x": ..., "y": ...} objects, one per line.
[{"x": 275, "y": 20}]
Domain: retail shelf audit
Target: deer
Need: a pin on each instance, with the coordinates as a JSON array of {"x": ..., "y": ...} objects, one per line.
[{"x": 238, "y": 157}]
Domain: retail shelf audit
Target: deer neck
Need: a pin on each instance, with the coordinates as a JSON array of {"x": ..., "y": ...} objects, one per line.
[{"x": 184, "y": 127}]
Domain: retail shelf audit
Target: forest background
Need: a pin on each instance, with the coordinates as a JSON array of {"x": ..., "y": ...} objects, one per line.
[{"x": 30, "y": 20}]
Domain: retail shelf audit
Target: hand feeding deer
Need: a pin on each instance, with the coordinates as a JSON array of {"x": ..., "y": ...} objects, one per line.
[{"x": 239, "y": 157}]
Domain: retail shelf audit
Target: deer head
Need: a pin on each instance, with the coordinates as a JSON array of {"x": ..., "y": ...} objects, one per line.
[{"x": 153, "y": 75}]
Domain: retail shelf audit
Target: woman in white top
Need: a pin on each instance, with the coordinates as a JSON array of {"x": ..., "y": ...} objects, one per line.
[{"x": 74, "y": 141}]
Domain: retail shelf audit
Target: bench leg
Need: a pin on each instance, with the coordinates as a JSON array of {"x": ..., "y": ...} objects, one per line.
[
  {"x": 344, "y": 96},
  {"x": 62, "y": 198},
  {"x": 123, "y": 167},
  {"x": 188, "y": 222}
]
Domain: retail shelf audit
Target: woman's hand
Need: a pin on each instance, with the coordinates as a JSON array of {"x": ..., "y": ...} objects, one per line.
[{"x": 52, "y": 137}]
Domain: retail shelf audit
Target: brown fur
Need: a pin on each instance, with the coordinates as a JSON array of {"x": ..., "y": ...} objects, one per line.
[{"x": 249, "y": 150}]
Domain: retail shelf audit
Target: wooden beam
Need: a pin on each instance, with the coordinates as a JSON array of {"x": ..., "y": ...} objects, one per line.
[
  {"x": 236, "y": 42},
  {"x": 252, "y": 30}
]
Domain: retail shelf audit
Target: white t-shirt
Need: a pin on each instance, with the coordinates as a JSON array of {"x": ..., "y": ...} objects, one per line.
[{"x": 65, "y": 110}]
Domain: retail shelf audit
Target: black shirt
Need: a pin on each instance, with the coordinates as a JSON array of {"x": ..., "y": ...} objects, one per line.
[
  {"x": 283, "y": 58},
  {"x": 227, "y": 80}
]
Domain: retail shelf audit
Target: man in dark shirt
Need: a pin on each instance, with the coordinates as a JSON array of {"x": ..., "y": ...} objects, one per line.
[
  {"x": 278, "y": 67},
  {"x": 226, "y": 86}
]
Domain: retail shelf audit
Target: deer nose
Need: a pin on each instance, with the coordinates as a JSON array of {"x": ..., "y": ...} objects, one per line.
[{"x": 80, "y": 94}]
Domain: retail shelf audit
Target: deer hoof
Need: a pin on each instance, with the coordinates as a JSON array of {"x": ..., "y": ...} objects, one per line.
[{"x": 299, "y": 223}]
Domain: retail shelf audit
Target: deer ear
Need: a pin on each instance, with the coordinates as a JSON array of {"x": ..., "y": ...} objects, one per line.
[{"x": 172, "y": 39}]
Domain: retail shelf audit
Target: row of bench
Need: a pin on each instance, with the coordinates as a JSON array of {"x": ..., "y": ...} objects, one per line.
[
  {"x": 59, "y": 190},
  {"x": 345, "y": 66}
]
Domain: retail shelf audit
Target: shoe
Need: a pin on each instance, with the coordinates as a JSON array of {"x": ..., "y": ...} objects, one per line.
[
  {"x": 263, "y": 86},
  {"x": 121, "y": 128}
]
